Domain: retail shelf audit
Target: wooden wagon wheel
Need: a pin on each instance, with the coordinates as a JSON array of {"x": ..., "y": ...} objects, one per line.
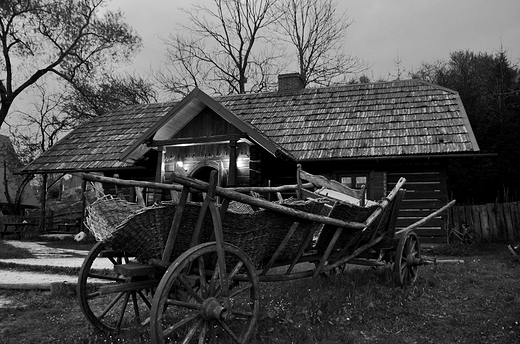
[
  {"x": 110, "y": 301},
  {"x": 407, "y": 260},
  {"x": 199, "y": 301}
]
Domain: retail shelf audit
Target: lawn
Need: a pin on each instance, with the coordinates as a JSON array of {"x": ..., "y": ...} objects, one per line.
[{"x": 474, "y": 302}]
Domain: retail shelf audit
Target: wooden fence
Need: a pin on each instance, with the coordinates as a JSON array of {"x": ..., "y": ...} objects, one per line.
[{"x": 493, "y": 221}]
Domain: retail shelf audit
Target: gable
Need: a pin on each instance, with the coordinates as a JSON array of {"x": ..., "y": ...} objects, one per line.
[
  {"x": 192, "y": 106},
  {"x": 207, "y": 123}
]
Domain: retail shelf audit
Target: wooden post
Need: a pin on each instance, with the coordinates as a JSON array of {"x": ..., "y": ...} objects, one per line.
[
  {"x": 232, "y": 175},
  {"x": 159, "y": 174},
  {"x": 119, "y": 190},
  {"x": 43, "y": 201},
  {"x": 299, "y": 182},
  {"x": 83, "y": 204},
  {"x": 176, "y": 223}
]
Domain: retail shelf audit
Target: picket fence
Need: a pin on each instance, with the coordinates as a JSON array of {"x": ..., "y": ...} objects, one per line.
[{"x": 495, "y": 222}]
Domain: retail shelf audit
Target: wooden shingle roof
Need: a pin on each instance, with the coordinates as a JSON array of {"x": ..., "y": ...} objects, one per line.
[
  {"x": 97, "y": 144},
  {"x": 375, "y": 120},
  {"x": 385, "y": 119}
]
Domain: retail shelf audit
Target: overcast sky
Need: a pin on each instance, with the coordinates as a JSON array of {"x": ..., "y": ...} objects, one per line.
[{"x": 414, "y": 30}]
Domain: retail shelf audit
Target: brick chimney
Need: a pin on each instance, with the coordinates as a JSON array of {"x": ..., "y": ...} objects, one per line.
[{"x": 290, "y": 82}]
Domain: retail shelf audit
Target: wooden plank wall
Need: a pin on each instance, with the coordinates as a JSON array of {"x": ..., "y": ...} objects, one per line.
[
  {"x": 493, "y": 221},
  {"x": 426, "y": 192}
]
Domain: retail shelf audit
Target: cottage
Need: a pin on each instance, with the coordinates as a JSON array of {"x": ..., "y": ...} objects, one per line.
[{"x": 360, "y": 134}]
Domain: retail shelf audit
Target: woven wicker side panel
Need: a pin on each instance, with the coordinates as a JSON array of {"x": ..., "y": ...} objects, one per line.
[
  {"x": 277, "y": 225},
  {"x": 145, "y": 233},
  {"x": 247, "y": 231},
  {"x": 106, "y": 213},
  {"x": 138, "y": 236},
  {"x": 345, "y": 212}
]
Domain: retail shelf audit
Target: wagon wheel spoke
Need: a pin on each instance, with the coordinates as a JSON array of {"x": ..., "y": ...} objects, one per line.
[
  {"x": 134, "y": 303},
  {"x": 203, "y": 331},
  {"x": 214, "y": 279},
  {"x": 183, "y": 304},
  {"x": 235, "y": 270},
  {"x": 229, "y": 331},
  {"x": 144, "y": 299},
  {"x": 122, "y": 313},
  {"x": 179, "y": 325},
  {"x": 110, "y": 305},
  {"x": 193, "y": 329},
  {"x": 229, "y": 278},
  {"x": 243, "y": 288},
  {"x": 202, "y": 277},
  {"x": 188, "y": 288}
]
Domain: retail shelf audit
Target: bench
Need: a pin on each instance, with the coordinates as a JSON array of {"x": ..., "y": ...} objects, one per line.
[
  {"x": 69, "y": 225},
  {"x": 13, "y": 225}
]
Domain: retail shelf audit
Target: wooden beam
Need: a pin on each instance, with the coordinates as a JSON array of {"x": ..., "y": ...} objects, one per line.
[
  {"x": 228, "y": 193},
  {"x": 422, "y": 221},
  {"x": 197, "y": 140},
  {"x": 258, "y": 202}
]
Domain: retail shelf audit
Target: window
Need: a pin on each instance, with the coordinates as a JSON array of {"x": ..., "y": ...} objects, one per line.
[{"x": 354, "y": 181}]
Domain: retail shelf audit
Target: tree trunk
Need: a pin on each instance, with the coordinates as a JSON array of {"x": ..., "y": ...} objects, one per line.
[{"x": 5, "y": 105}]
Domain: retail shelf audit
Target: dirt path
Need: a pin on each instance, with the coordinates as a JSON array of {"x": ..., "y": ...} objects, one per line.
[{"x": 44, "y": 256}]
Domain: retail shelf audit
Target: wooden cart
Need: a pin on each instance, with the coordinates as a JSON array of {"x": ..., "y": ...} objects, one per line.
[{"x": 211, "y": 290}]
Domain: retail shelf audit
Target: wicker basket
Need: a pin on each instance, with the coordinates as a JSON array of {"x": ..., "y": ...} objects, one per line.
[
  {"x": 352, "y": 237},
  {"x": 143, "y": 232},
  {"x": 106, "y": 213}
]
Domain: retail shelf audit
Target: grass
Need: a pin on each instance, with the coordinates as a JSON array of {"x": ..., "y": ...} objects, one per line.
[{"x": 474, "y": 302}]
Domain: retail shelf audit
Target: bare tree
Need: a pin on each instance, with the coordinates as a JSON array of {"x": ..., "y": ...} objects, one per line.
[
  {"x": 91, "y": 98},
  {"x": 224, "y": 49},
  {"x": 433, "y": 72},
  {"x": 55, "y": 112},
  {"x": 39, "y": 128},
  {"x": 69, "y": 39},
  {"x": 317, "y": 33}
]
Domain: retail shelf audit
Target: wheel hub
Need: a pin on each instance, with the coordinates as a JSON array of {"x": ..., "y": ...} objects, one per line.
[
  {"x": 213, "y": 310},
  {"x": 411, "y": 260}
]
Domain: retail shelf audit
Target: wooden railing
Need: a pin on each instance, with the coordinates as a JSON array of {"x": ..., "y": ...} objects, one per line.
[{"x": 493, "y": 221}]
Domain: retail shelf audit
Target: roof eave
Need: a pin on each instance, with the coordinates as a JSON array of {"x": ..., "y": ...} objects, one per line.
[
  {"x": 406, "y": 157},
  {"x": 71, "y": 170}
]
